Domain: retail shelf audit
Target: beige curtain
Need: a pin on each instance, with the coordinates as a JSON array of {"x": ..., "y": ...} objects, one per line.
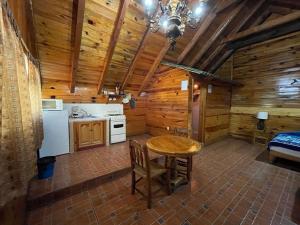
[{"x": 20, "y": 113}]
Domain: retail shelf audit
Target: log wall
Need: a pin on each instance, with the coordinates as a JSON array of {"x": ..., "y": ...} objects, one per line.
[{"x": 267, "y": 71}]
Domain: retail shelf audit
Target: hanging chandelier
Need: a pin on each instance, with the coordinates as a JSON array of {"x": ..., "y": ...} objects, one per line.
[{"x": 173, "y": 17}]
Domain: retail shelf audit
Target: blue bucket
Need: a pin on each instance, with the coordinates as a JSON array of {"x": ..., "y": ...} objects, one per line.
[{"x": 46, "y": 167}]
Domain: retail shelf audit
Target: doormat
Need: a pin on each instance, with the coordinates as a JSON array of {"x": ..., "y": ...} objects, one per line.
[{"x": 283, "y": 163}]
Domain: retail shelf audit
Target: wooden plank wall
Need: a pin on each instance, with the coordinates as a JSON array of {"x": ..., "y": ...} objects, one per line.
[
  {"x": 217, "y": 116},
  {"x": 136, "y": 118},
  {"x": 268, "y": 71},
  {"x": 167, "y": 105}
]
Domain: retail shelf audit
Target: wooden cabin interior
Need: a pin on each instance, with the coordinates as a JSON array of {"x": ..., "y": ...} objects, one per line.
[{"x": 202, "y": 94}]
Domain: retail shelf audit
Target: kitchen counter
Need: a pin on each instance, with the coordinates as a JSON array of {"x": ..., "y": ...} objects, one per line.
[{"x": 87, "y": 119}]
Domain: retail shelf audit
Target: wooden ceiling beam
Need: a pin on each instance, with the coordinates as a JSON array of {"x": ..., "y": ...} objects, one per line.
[
  {"x": 136, "y": 58},
  {"x": 216, "y": 35},
  {"x": 203, "y": 27},
  {"x": 222, "y": 48},
  {"x": 77, "y": 24},
  {"x": 123, "y": 5},
  {"x": 154, "y": 66},
  {"x": 293, "y": 17},
  {"x": 225, "y": 4}
]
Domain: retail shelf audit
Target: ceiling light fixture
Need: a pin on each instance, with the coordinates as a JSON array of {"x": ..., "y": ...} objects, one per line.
[{"x": 173, "y": 17}]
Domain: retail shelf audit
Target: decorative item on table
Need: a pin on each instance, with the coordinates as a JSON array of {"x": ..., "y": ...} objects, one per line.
[
  {"x": 261, "y": 116},
  {"x": 173, "y": 16}
]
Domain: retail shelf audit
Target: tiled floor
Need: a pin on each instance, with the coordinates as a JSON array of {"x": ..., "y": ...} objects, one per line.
[
  {"x": 228, "y": 187},
  {"x": 72, "y": 169}
]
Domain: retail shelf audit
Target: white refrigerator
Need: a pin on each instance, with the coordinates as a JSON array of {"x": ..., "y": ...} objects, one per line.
[{"x": 56, "y": 133}]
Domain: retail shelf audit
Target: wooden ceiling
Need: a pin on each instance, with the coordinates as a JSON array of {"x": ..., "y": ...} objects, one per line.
[{"x": 98, "y": 43}]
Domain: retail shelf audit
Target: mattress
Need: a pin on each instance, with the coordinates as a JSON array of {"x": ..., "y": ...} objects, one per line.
[
  {"x": 286, "y": 151},
  {"x": 288, "y": 141}
]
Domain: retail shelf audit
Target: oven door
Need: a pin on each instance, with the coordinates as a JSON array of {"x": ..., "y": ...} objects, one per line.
[{"x": 117, "y": 127}]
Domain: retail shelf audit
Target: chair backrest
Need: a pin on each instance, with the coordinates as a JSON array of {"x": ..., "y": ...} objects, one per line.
[{"x": 138, "y": 155}]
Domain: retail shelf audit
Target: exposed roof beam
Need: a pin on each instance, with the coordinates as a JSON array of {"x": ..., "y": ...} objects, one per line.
[
  {"x": 226, "y": 4},
  {"x": 215, "y": 36},
  {"x": 200, "y": 74},
  {"x": 123, "y": 5},
  {"x": 77, "y": 24},
  {"x": 154, "y": 66},
  {"x": 293, "y": 17},
  {"x": 203, "y": 27},
  {"x": 220, "y": 61},
  {"x": 221, "y": 48},
  {"x": 136, "y": 57},
  {"x": 208, "y": 19}
]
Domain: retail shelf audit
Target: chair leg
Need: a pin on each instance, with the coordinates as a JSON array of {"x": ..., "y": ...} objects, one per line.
[
  {"x": 189, "y": 168},
  {"x": 166, "y": 161},
  {"x": 149, "y": 196},
  {"x": 133, "y": 182},
  {"x": 168, "y": 182}
]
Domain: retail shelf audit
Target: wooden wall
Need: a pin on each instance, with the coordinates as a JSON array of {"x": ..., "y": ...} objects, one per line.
[
  {"x": 167, "y": 105},
  {"x": 217, "y": 115},
  {"x": 267, "y": 71}
]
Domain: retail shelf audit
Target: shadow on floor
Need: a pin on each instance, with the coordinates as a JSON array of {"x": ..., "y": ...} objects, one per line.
[{"x": 283, "y": 163}]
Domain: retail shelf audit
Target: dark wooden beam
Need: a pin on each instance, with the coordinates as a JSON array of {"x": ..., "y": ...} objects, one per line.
[
  {"x": 135, "y": 59},
  {"x": 123, "y": 5},
  {"x": 201, "y": 30},
  {"x": 154, "y": 66},
  {"x": 290, "y": 18},
  {"x": 222, "y": 47},
  {"x": 77, "y": 24},
  {"x": 225, "y": 4},
  {"x": 211, "y": 40},
  {"x": 221, "y": 60}
]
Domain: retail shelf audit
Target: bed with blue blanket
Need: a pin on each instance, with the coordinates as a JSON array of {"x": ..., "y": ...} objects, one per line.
[{"x": 285, "y": 145}]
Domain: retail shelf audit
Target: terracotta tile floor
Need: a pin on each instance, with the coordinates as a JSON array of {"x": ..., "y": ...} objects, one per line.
[
  {"x": 228, "y": 187},
  {"x": 72, "y": 169}
]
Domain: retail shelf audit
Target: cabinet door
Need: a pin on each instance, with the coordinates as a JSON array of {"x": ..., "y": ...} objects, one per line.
[
  {"x": 98, "y": 133},
  {"x": 84, "y": 134}
]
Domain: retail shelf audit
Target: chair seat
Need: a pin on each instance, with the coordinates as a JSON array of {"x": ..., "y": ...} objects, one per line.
[{"x": 155, "y": 170}]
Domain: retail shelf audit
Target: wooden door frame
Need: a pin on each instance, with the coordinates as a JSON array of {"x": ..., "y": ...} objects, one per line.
[{"x": 202, "y": 109}]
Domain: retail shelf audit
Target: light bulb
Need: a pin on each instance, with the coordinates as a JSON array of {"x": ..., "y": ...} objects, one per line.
[
  {"x": 165, "y": 24},
  {"x": 148, "y": 3},
  {"x": 198, "y": 10}
]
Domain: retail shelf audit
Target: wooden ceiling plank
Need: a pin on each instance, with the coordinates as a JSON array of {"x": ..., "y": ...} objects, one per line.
[
  {"x": 215, "y": 36},
  {"x": 113, "y": 41},
  {"x": 77, "y": 24},
  {"x": 203, "y": 27},
  {"x": 154, "y": 66},
  {"x": 265, "y": 26},
  {"x": 136, "y": 58},
  {"x": 222, "y": 47}
]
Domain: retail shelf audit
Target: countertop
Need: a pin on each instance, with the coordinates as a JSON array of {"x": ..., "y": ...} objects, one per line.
[{"x": 88, "y": 119}]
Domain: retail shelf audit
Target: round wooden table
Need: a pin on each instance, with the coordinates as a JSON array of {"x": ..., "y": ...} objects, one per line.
[{"x": 174, "y": 146}]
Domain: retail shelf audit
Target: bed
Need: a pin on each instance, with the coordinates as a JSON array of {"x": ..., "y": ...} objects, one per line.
[{"x": 285, "y": 145}]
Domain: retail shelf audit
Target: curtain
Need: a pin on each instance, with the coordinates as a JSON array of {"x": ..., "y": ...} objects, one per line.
[{"x": 20, "y": 113}]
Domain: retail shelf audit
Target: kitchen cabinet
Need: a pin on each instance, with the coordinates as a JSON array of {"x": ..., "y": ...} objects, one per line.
[{"x": 89, "y": 134}]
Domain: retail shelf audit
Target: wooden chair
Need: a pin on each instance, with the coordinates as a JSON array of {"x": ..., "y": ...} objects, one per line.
[
  {"x": 146, "y": 169},
  {"x": 184, "y": 165}
]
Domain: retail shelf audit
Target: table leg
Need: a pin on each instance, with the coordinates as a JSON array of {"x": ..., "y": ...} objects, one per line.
[{"x": 175, "y": 179}]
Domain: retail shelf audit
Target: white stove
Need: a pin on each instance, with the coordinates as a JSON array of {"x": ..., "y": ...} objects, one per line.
[{"x": 117, "y": 128}]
